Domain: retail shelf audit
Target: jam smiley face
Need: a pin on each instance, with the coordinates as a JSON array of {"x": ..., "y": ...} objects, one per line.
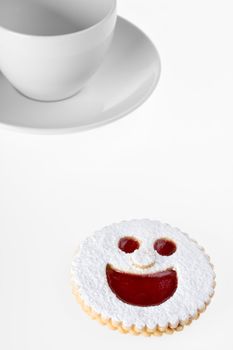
[
  {"x": 148, "y": 289},
  {"x": 142, "y": 273}
]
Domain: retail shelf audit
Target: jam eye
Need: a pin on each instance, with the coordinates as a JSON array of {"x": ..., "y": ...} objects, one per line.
[
  {"x": 128, "y": 244},
  {"x": 165, "y": 247}
]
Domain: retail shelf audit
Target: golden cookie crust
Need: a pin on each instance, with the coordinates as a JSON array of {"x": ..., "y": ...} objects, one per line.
[{"x": 157, "y": 331}]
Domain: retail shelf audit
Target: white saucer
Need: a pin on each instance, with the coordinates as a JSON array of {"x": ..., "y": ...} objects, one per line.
[{"x": 126, "y": 79}]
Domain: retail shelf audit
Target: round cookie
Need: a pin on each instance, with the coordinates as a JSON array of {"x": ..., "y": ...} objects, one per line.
[{"x": 142, "y": 277}]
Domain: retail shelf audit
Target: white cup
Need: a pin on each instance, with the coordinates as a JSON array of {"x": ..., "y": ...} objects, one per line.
[{"x": 49, "y": 49}]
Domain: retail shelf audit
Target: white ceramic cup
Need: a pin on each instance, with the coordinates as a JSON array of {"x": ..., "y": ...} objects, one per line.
[{"x": 49, "y": 49}]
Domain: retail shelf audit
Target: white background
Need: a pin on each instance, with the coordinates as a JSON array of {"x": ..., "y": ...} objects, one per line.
[{"x": 170, "y": 160}]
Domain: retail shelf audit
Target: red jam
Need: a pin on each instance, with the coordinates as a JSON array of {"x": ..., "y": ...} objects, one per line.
[
  {"x": 165, "y": 247},
  {"x": 142, "y": 290},
  {"x": 128, "y": 244}
]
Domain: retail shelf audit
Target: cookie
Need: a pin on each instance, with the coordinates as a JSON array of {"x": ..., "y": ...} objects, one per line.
[{"x": 142, "y": 277}]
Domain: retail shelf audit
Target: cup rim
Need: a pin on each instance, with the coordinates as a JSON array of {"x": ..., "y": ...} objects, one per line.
[{"x": 80, "y": 32}]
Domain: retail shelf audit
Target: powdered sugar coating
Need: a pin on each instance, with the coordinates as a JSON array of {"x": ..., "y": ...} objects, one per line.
[{"x": 195, "y": 273}]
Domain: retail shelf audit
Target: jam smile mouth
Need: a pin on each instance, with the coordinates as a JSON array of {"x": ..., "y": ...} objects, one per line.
[{"x": 142, "y": 289}]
